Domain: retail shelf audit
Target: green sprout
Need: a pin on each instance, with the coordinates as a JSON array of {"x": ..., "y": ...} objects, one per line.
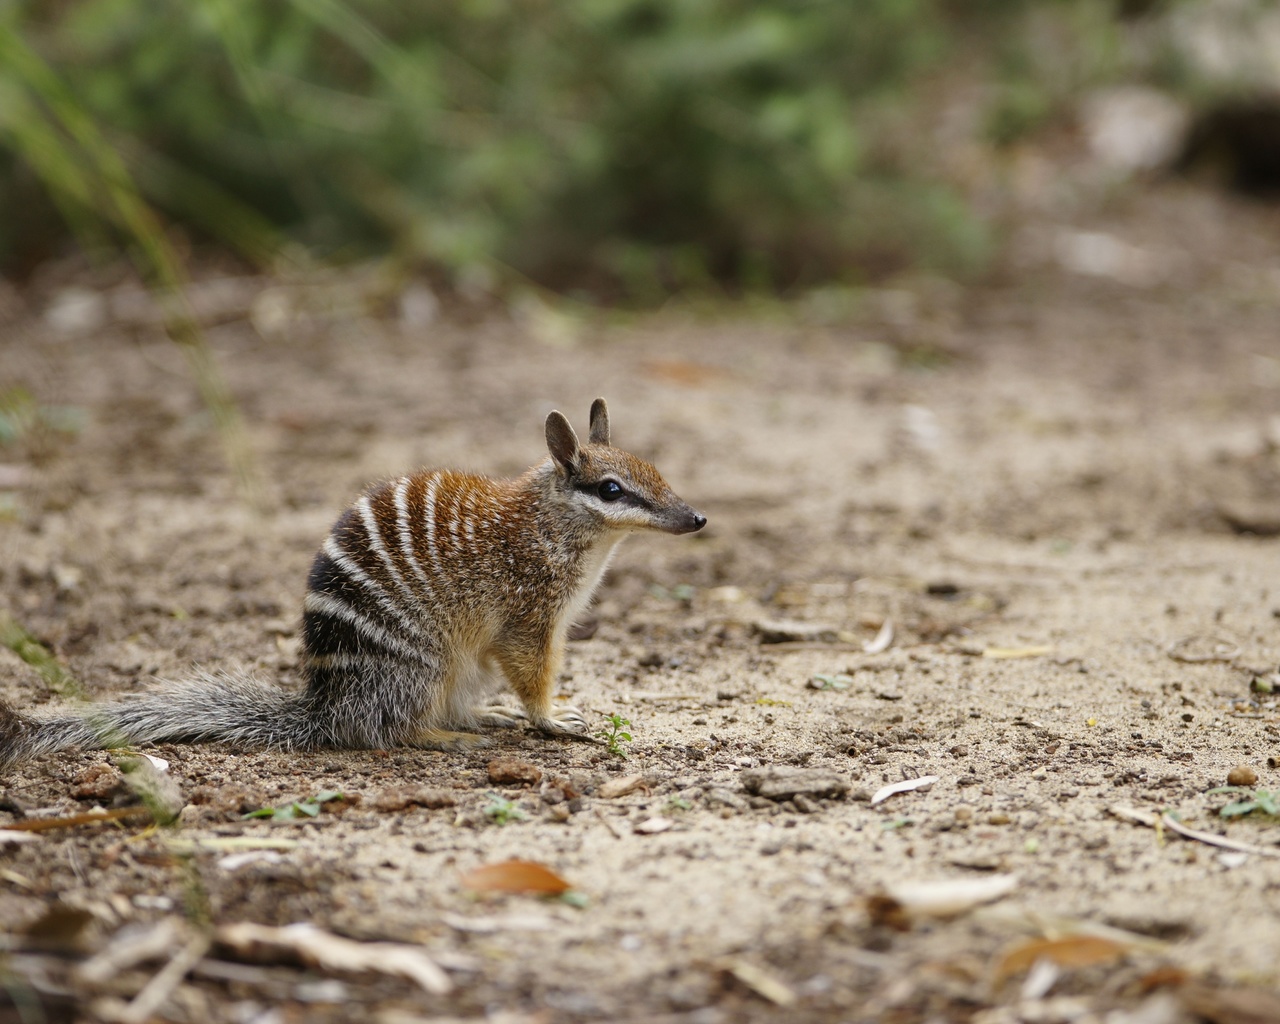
[
  {"x": 1253, "y": 800},
  {"x": 299, "y": 809},
  {"x": 502, "y": 811},
  {"x": 615, "y": 735}
]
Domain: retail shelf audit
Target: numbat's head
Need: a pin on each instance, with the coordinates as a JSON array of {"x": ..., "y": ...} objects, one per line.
[{"x": 606, "y": 487}]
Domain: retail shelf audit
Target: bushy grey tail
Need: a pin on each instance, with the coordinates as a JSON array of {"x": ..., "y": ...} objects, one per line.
[
  {"x": 207, "y": 707},
  {"x": 23, "y": 737}
]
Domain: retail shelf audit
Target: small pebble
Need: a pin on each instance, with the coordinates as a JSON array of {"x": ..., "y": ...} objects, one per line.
[
  {"x": 507, "y": 771},
  {"x": 1242, "y": 775}
]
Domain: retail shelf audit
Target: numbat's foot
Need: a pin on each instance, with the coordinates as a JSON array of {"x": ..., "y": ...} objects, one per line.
[
  {"x": 503, "y": 716},
  {"x": 451, "y": 742}
]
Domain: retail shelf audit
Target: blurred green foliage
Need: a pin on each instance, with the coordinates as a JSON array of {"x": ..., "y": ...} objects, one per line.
[{"x": 628, "y": 147}]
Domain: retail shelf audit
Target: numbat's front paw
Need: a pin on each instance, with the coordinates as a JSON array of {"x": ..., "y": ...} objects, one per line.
[
  {"x": 566, "y": 723},
  {"x": 570, "y": 717}
]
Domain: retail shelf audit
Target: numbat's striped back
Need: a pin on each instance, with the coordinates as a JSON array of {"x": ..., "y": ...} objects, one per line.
[{"x": 427, "y": 592}]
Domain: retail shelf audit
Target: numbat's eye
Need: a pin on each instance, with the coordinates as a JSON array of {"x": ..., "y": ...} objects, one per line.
[{"x": 610, "y": 490}]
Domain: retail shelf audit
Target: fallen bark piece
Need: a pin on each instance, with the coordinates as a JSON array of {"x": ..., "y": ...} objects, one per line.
[
  {"x": 71, "y": 820},
  {"x": 1138, "y": 817},
  {"x": 948, "y": 897},
  {"x": 905, "y": 786},
  {"x": 316, "y": 948},
  {"x": 130, "y": 947},
  {"x": 158, "y": 989},
  {"x": 764, "y": 984},
  {"x": 780, "y": 631},
  {"x": 1213, "y": 839},
  {"x": 778, "y": 782},
  {"x": 614, "y": 788}
]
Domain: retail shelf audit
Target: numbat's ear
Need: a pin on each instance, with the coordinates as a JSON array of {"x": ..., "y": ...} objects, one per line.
[
  {"x": 599, "y": 422},
  {"x": 562, "y": 443}
]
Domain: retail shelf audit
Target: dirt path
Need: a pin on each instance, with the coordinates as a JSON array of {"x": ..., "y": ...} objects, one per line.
[{"x": 1049, "y": 468}]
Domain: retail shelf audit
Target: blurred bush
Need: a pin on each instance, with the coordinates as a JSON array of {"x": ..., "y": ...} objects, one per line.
[{"x": 624, "y": 147}]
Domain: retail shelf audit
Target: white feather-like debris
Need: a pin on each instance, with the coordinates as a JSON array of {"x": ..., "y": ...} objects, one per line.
[{"x": 905, "y": 786}]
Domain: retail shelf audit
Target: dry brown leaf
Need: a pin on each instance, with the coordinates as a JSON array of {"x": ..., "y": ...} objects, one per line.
[
  {"x": 1070, "y": 951},
  {"x": 621, "y": 787},
  {"x": 684, "y": 371},
  {"x": 515, "y": 876},
  {"x": 59, "y": 928}
]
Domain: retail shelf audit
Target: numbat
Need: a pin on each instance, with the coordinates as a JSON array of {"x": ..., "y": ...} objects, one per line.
[{"x": 426, "y": 589}]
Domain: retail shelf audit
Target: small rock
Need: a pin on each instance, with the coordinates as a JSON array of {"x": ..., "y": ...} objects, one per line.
[
  {"x": 652, "y": 826},
  {"x": 507, "y": 771},
  {"x": 717, "y": 796},
  {"x": 98, "y": 782},
  {"x": 558, "y": 790},
  {"x": 408, "y": 796},
  {"x": 777, "y": 782},
  {"x": 77, "y": 311},
  {"x": 1242, "y": 775},
  {"x": 804, "y": 805},
  {"x": 419, "y": 306}
]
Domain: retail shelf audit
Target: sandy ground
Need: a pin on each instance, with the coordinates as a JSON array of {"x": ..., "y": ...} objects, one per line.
[{"x": 1056, "y": 489}]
